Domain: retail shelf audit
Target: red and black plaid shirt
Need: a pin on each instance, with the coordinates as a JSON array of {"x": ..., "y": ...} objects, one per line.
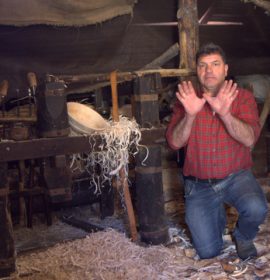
[{"x": 210, "y": 151}]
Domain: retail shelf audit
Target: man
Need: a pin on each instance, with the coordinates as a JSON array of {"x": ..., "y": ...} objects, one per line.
[{"x": 217, "y": 125}]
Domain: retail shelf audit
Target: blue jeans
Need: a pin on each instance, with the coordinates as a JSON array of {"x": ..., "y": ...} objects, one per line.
[{"x": 205, "y": 212}]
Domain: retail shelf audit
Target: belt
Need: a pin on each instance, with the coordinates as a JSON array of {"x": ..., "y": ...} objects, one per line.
[{"x": 207, "y": 181}]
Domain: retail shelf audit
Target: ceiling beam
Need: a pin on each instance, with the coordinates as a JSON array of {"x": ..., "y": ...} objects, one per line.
[
  {"x": 260, "y": 3},
  {"x": 207, "y": 14}
]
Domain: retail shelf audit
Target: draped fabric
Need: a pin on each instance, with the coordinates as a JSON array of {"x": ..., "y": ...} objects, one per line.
[{"x": 62, "y": 12}]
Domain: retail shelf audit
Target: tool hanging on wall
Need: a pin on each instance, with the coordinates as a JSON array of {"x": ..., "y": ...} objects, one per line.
[
  {"x": 122, "y": 175},
  {"x": 32, "y": 81}
]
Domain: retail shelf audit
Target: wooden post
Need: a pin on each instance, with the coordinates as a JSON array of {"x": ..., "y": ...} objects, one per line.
[
  {"x": 146, "y": 105},
  {"x": 150, "y": 200},
  {"x": 187, "y": 16},
  {"x": 7, "y": 247}
]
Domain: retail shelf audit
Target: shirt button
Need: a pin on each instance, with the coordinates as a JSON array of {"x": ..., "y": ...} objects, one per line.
[{"x": 213, "y": 150}]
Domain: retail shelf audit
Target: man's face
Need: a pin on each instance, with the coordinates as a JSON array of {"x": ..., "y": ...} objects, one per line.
[{"x": 211, "y": 71}]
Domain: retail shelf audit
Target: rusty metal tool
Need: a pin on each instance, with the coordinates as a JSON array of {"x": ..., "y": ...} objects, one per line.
[
  {"x": 32, "y": 80},
  {"x": 123, "y": 177}
]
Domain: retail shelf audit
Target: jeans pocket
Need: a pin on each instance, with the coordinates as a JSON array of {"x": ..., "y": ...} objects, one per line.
[{"x": 189, "y": 187}]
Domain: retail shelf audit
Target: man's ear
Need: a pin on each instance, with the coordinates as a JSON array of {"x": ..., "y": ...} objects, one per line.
[{"x": 226, "y": 69}]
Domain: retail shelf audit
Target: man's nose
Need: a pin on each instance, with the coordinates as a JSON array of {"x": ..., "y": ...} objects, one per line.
[{"x": 208, "y": 68}]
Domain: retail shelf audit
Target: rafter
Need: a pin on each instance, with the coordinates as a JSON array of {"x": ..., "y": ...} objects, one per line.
[{"x": 260, "y": 3}]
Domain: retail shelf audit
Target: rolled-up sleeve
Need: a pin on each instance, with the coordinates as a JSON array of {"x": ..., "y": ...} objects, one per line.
[{"x": 248, "y": 111}]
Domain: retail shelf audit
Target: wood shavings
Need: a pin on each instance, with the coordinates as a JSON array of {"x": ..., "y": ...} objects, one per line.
[
  {"x": 105, "y": 255},
  {"x": 111, "y": 255},
  {"x": 119, "y": 141}
]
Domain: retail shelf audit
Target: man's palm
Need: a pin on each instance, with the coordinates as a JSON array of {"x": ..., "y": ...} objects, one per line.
[{"x": 189, "y": 99}]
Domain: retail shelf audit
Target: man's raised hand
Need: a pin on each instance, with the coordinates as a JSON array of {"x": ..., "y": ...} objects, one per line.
[
  {"x": 221, "y": 103},
  {"x": 189, "y": 99}
]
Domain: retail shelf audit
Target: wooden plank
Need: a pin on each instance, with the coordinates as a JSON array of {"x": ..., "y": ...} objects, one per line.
[
  {"x": 47, "y": 147},
  {"x": 44, "y": 147}
]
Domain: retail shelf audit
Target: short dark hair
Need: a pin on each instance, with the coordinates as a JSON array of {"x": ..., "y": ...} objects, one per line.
[{"x": 210, "y": 48}]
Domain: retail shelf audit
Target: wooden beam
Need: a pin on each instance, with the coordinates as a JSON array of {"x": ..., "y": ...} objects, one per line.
[
  {"x": 170, "y": 53},
  {"x": 265, "y": 4},
  {"x": 8, "y": 119},
  {"x": 47, "y": 147},
  {"x": 207, "y": 14},
  {"x": 90, "y": 82},
  {"x": 187, "y": 16},
  {"x": 124, "y": 76}
]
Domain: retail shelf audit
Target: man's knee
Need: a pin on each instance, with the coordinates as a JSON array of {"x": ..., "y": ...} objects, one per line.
[{"x": 256, "y": 211}]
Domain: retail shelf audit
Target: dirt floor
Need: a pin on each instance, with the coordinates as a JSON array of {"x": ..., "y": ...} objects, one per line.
[{"x": 63, "y": 252}]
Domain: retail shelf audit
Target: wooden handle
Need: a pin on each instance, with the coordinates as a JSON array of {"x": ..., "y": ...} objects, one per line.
[
  {"x": 113, "y": 79},
  {"x": 3, "y": 88},
  {"x": 123, "y": 178},
  {"x": 128, "y": 202},
  {"x": 32, "y": 79}
]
